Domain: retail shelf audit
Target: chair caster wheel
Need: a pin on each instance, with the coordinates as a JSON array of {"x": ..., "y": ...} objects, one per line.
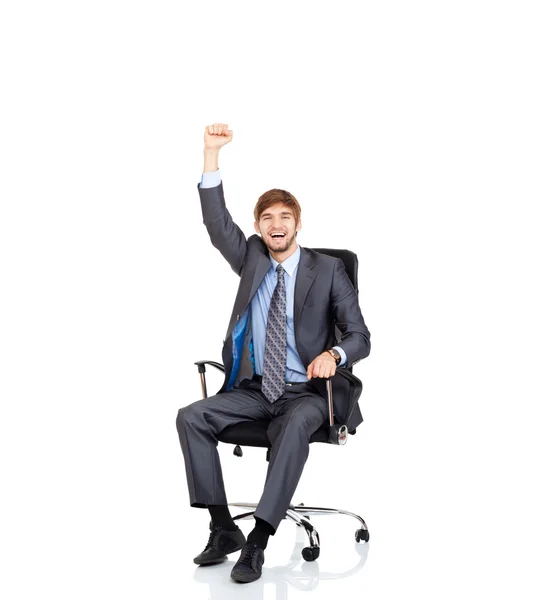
[
  {"x": 310, "y": 554},
  {"x": 362, "y": 535}
]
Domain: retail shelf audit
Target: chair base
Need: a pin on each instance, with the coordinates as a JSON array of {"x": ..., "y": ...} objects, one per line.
[{"x": 299, "y": 514}]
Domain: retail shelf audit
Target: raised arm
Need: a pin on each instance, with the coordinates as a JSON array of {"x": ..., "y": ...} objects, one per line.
[{"x": 224, "y": 233}]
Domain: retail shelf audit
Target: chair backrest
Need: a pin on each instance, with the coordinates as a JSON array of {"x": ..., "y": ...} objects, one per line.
[{"x": 350, "y": 260}]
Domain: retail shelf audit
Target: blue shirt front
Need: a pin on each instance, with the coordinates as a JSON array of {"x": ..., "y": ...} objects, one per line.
[{"x": 259, "y": 317}]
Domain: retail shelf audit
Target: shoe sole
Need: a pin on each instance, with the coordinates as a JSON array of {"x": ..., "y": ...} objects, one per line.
[
  {"x": 216, "y": 561},
  {"x": 244, "y": 578}
]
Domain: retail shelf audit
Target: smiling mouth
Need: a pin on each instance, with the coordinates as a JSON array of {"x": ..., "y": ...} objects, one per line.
[{"x": 278, "y": 236}]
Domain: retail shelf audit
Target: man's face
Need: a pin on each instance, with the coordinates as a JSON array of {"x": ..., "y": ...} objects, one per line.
[{"x": 277, "y": 227}]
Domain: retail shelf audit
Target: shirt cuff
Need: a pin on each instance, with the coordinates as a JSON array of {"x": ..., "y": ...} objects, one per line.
[
  {"x": 342, "y": 354},
  {"x": 210, "y": 179}
]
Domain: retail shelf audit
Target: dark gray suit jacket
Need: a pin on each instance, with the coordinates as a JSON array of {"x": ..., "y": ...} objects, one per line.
[{"x": 324, "y": 297}]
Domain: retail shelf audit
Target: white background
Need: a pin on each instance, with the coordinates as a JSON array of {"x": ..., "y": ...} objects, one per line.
[{"x": 409, "y": 132}]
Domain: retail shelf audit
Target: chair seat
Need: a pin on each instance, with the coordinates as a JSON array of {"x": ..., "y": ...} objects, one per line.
[{"x": 253, "y": 433}]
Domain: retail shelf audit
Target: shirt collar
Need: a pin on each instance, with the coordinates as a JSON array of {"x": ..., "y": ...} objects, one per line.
[{"x": 288, "y": 265}]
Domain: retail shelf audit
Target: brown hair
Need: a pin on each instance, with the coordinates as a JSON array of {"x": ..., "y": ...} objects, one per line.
[{"x": 276, "y": 196}]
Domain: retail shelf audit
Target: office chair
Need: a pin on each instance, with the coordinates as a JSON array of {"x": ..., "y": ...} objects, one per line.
[{"x": 255, "y": 433}]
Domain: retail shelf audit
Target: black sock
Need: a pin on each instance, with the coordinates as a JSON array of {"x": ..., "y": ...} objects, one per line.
[
  {"x": 261, "y": 533},
  {"x": 221, "y": 517}
]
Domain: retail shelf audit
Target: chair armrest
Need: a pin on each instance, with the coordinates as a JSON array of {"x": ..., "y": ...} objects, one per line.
[{"x": 202, "y": 370}]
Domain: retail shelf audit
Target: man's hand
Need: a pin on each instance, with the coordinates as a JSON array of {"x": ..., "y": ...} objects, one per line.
[
  {"x": 322, "y": 366},
  {"x": 216, "y": 136}
]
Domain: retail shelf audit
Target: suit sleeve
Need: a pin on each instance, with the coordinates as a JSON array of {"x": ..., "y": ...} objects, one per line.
[
  {"x": 224, "y": 233},
  {"x": 347, "y": 315}
]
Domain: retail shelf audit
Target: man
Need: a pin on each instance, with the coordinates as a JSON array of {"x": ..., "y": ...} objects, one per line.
[{"x": 279, "y": 349}]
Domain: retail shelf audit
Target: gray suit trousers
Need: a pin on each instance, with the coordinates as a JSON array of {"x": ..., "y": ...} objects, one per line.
[{"x": 292, "y": 419}]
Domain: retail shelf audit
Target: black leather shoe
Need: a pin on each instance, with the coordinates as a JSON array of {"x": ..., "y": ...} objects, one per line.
[
  {"x": 220, "y": 543},
  {"x": 249, "y": 565}
]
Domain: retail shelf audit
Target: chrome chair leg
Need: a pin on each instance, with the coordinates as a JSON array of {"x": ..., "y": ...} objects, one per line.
[
  {"x": 314, "y": 510},
  {"x": 360, "y": 535},
  {"x": 299, "y": 514},
  {"x": 311, "y": 552}
]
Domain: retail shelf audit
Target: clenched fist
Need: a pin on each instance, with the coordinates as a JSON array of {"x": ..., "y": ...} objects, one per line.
[{"x": 216, "y": 136}]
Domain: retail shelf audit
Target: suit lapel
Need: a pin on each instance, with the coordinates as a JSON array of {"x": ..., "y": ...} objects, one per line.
[
  {"x": 304, "y": 279},
  {"x": 259, "y": 269}
]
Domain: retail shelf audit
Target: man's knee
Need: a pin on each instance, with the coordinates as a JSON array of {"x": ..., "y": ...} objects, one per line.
[
  {"x": 302, "y": 421},
  {"x": 188, "y": 415}
]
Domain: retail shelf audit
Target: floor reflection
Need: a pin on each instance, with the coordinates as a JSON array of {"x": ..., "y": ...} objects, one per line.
[{"x": 297, "y": 573}]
